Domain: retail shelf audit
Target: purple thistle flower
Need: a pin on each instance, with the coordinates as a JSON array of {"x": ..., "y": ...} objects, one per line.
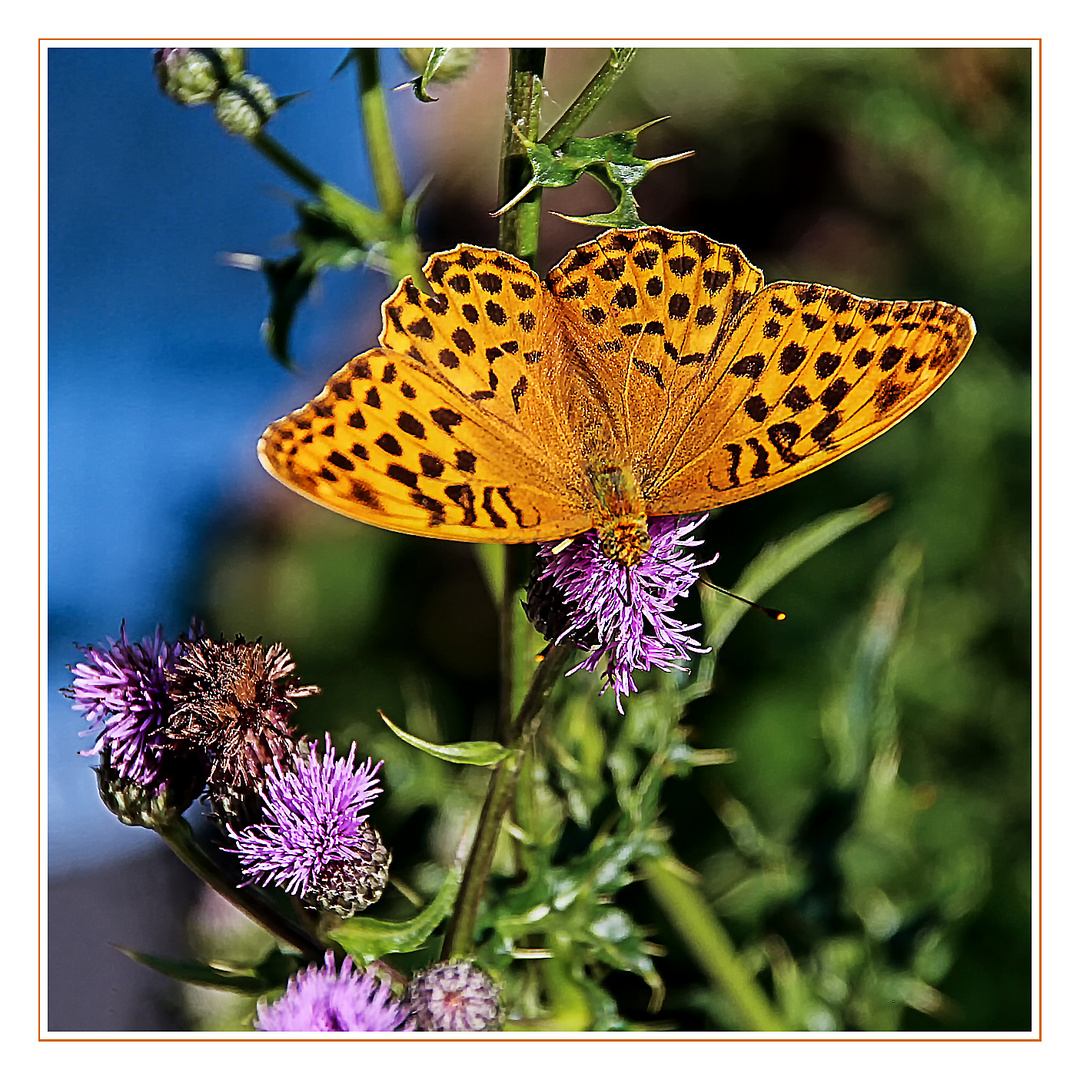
[
  {"x": 312, "y": 839},
  {"x": 619, "y": 612},
  {"x": 123, "y": 692},
  {"x": 323, "y": 999}
]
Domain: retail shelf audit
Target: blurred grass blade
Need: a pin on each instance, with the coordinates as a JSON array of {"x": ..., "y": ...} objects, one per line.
[
  {"x": 271, "y": 973},
  {"x": 861, "y": 718},
  {"x": 720, "y": 613},
  {"x": 677, "y": 893}
]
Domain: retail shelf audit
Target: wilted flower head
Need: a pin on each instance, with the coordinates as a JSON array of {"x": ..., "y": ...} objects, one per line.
[
  {"x": 323, "y": 999},
  {"x": 456, "y": 996},
  {"x": 312, "y": 839},
  {"x": 622, "y": 613},
  {"x": 234, "y": 700}
]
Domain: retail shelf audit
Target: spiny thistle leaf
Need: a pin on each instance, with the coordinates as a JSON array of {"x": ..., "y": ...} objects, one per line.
[{"x": 609, "y": 159}]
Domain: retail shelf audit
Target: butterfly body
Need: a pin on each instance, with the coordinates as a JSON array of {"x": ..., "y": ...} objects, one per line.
[
  {"x": 621, "y": 518},
  {"x": 650, "y": 373}
]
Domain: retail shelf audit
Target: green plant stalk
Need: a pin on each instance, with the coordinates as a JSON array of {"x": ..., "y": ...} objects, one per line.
[
  {"x": 588, "y": 99},
  {"x": 248, "y": 899},
  {"x": 376, "y": 128},
  {"x": 460, "y": 932},
  {"x": 708, "y": 942},
  {"x": 519, "y": 233},
  {"x": 519, "y": 227},
  {"x": 366, "y": 224}
]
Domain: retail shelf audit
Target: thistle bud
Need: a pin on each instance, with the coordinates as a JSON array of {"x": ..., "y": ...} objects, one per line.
[
  {"x": 349, "y": 885},
  {"x": 245, "y": 105},
  {"x": 458, "y": 996},
  {"x": 153, "y": 806},
  {"x": 195, "y": 76}
]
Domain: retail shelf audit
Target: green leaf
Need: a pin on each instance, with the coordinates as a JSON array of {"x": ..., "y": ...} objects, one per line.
[
  {"x": 369, "y": 939},
  {"x": 462, "y": 753},
  {"x": 322, "y": 243},
  {"x": 272, "y": 972}
]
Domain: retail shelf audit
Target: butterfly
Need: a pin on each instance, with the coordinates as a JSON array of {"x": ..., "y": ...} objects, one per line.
[{"x": 650, "y": 373}]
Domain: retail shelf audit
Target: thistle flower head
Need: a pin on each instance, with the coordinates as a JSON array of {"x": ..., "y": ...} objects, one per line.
[
  {"x": 122, "y": 689},
  {"x": 619, "y": 613},
  {"x": 324, "y": 999},
  {"x": 457, "y": 996},
  {"x": 312, "y": 839}
]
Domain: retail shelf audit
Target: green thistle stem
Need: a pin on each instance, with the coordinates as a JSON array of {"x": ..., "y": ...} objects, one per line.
[
  {"x": 708, "y": 942},
  {"x": 460, "y": 933},
  {"x": 519, "y": 232},
  {"x": 249, "y": 899},
  {"x": 370, "y": 228},
  {"x": 519, "y": 227},
  {"x": 366, "y": 224}
]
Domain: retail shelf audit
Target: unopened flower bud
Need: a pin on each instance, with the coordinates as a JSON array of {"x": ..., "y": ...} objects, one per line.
[
  {"x": 156, "y": 805},
  {"x": 245, "y": 105},
  {"x": 194, "y": 76}
]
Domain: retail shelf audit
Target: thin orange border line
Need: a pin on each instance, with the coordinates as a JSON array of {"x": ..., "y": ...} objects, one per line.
[{"x": 652, "y": 1039}]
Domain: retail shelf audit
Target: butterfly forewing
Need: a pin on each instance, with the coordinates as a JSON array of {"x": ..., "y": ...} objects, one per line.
[
  {"x": 805, "y": 375},
  {"x": 389, "y": 444}
]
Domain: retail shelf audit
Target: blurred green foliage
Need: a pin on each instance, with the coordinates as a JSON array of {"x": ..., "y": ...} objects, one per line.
[{"x": 868, "y": 849}]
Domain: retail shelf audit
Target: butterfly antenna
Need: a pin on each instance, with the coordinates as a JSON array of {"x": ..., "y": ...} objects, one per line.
[{"x": 773, "y": 613}]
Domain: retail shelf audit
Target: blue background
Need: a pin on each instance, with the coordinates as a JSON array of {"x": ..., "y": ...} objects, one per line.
[{"x": 159, "y": 383}]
